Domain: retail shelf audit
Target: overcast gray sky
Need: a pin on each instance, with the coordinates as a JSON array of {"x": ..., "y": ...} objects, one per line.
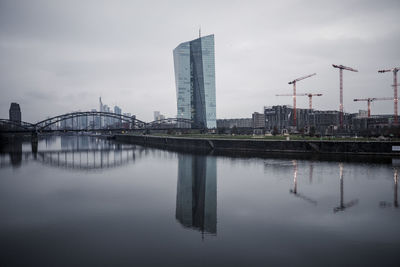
[{"x": 60, "y": 56}]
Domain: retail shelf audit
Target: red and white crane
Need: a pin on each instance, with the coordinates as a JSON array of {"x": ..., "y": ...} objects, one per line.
[
  {"x": 394, "y": 70},
  {"x": 310, "y": 95},
  {"x": 294, "y": 94},
  {"x": 369, "y": 100},
  {"x": 341, "y": 68}
]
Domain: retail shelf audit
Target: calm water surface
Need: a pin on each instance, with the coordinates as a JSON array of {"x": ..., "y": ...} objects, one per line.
[{"x": 90, "y": 202}]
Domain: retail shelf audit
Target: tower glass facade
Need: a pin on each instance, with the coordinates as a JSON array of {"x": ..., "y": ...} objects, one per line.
[
  {"x": 15, "y": 112},
  {"x": 194, "y": 64}
]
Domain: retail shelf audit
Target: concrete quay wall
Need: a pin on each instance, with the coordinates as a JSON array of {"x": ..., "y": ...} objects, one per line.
[{"x": 266, "y": 146}]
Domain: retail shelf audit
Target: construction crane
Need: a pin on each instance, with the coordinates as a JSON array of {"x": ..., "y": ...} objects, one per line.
[
  {"x": 294, "y": 94},
  {"x": 369, "y": 100},
  {"x": 394, "y": 70},
  {"x": 341, "y": 68},
  {"x": 310, "y": 95}
]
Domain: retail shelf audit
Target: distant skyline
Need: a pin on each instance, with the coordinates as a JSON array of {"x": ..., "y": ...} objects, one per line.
[{"x": 60, "y": 56}]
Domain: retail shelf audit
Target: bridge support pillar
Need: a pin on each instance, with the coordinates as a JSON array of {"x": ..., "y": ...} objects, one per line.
[{"x": 34, "y": 143}]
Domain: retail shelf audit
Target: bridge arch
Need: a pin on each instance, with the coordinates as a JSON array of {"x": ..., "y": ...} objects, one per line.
[
  {"x": 42, "y": 125},
  {"x": 134, "y": 123}
]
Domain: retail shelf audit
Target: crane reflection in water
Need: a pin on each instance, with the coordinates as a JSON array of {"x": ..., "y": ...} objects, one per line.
[
  {"x": 385, "y": 204},
  {"x": 294, "y": 190},
  {"x": 342, "y": 205}
]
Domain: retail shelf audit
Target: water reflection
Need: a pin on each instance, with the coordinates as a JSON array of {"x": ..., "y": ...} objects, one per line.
[
  {"x": 69, "y": 152},
  {"x": 84, "y": 142},
  {"x": 342, "y": 206},
  {"x": 385, "y": 204},
  {"x": 87, "y": 159},
  {"x": 294, "y": 190},
  {"x": 34, "y": 146},
  {"x": 396, "y": 179},
  {"x": 196, "y": 198},
  {"x": 121, "y": 215},
  {"x": 12, "y": 153},
  {"x": 16, "y": 153},
  {"x": 311, "y": 173}
]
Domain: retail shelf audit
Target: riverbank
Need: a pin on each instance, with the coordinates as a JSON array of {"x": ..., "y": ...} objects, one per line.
[{"x": 331, "y": 147}]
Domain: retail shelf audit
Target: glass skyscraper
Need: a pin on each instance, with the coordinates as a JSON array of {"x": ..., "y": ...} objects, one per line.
[{"x": 194, "y": 65}]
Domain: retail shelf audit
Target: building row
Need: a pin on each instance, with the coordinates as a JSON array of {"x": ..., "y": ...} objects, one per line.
[{"x": 279, "y": 119}]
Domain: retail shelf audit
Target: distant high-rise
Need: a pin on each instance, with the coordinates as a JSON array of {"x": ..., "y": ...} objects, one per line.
[
  {"x": 15, "y": 112},
  {"x": 194, "y": 65},
  {"x": 156, "y": 115},
  {"x": 117, "y": 110},
  {"x": 100, "y": 105}
]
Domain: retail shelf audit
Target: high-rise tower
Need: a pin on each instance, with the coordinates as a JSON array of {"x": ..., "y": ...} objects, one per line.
[
  {"x": 194, "y": 64},
  {"x": 100, "y": 105},
  {"x": 15, "y": 112}
]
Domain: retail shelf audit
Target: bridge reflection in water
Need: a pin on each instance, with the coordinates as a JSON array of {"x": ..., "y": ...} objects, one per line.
[
  {"x": 76, "y": 153},
  {"x": 87, "y": 159},
  {"x": 196, "y": 198}
]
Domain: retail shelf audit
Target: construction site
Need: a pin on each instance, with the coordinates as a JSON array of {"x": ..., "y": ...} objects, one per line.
[{"x": 289, "y": 119}]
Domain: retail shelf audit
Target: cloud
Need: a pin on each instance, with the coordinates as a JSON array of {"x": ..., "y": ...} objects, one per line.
[{"x": 61, "y": 56}]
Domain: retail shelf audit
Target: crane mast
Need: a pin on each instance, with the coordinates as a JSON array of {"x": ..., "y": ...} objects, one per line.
[
  {"x": 341, "y": 68},
  {"x": 396, "y": 100},
  {"x": 294, "y": 94},
  {"x": 310, "y": 96}
]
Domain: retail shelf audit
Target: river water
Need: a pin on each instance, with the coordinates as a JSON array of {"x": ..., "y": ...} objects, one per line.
[{"x": 83, "y": 201}]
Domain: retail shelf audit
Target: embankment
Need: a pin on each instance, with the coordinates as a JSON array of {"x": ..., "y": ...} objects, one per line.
[{"x": 384, "y": 148}]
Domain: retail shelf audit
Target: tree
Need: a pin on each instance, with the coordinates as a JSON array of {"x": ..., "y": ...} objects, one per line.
[
  {"x": 221, "y": 130},
  {"x": 301, "y": 131},
  {"x": 234, "y": 130},
  {"x": 275, "y": 131},
  {"x": 312, "y": 131}
]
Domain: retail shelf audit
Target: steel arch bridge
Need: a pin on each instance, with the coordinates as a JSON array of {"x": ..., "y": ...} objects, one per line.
[
  {"x": 22, "y": 125},
  {"x": 45, "y": 124},
  {"x": 95, "y": 116}
]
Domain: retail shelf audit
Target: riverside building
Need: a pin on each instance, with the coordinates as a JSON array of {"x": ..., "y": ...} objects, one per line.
[{"x": 194, "y": 65}]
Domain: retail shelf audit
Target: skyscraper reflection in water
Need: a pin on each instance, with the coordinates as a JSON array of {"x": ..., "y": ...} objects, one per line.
[
  {"x": 16, "y": 152},
  {"x": 196, "y": 197}
]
